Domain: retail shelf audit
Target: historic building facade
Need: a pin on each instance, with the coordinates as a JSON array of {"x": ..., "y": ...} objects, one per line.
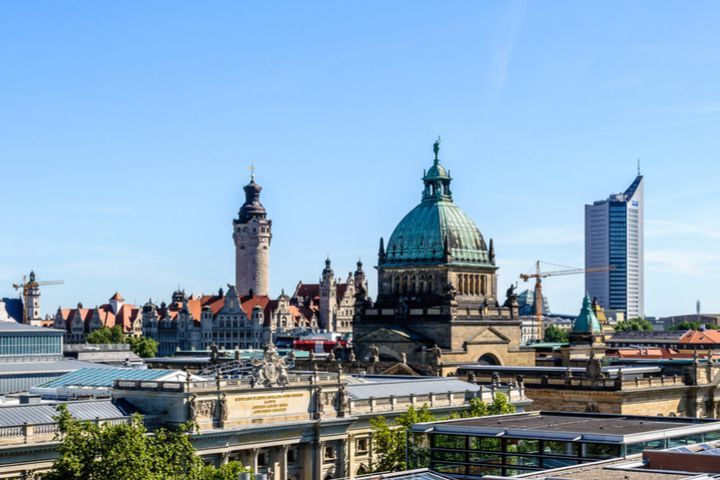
[
  {"x": 437, "y": 287},
  {"x": 289, "y": 425},
  {"x": 78, "y": 322},
  {"x": 333, "y": 299}
]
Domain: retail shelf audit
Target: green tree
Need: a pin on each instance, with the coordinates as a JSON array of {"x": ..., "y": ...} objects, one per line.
[
  {"x": 553, "y": 333},
  {"x": 633, "y": 325},
  {"x": 142, "y": 346},
  {"x": 390, "y": 439},
  {"x": 106, "y": 335},
  {"x": 127, "y": 452},
  {"x": 692, "y": 326}
]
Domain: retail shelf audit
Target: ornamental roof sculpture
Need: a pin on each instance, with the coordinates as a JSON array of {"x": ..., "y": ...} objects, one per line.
[{"x": 271, "y": 371}]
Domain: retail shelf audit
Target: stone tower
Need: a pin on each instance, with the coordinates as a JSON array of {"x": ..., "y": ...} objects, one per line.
[
  {"x": 32, "y": 302},
  {"x": 252, "y": 233},
  {"x": 328, "y": 297}
]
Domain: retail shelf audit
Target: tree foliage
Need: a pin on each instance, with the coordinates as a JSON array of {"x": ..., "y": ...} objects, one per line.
[
  {"x": 126, "y": 452},
  {"x": 106, "y": 335},
  {"x": 553, "y": 333},
  {"x": 633, "y": 325},
  {"x": 390, "y": 439},
  {"x": 692, "y": 326},
  {"x": 142, "y": 346}
]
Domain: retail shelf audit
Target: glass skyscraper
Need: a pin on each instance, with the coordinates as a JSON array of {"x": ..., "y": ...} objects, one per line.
[{"x": 614, "y": 238}]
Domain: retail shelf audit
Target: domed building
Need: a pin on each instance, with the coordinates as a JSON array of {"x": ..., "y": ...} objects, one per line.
[{"x": 437, "y": 289}]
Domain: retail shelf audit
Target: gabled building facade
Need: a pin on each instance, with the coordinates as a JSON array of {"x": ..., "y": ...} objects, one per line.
[{"x": 79, "y": 322}]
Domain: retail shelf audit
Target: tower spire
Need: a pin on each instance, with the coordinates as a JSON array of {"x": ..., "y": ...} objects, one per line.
[{"x": 638, "y": 166}]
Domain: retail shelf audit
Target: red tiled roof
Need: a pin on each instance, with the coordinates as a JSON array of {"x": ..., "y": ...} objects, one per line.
[
  {"x": 248, "y": 304},
  {"x": 117, "y": 297},
  {"x": 215, "y": 302},
  {"x": 696, "y": 337},
  {"x": 308, "y": 290}
]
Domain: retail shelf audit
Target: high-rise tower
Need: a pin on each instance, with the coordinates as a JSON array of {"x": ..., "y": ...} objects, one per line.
[
  {"x": 614, "y": 237},
  {"x": 252, "y": 233}
]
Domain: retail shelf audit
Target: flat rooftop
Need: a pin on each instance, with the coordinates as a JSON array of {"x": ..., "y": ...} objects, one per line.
[
  {"x": 614, "y": 469},
  {"x": 573, "y": 426}
]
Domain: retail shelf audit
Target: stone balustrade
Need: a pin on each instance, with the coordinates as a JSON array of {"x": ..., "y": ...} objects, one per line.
[
  {"x": 175, "y": 386},
  {"x": 613, "y": 384},
  {"x": 433, "y": 400},
  {"x": 32, "y": 433}
]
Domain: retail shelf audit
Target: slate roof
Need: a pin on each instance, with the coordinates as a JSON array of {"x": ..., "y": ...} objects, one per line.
[
  {"x": 59, "y": 366},
  {"x": 379, "y": 387},
  {"x": 11, "y": 309},
  {"x": 11, "y": 415},
  {"x": 15, "y": 327}
]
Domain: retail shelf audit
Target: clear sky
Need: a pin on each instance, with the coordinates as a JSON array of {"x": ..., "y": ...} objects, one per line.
[{"x": 127, "y": 129}]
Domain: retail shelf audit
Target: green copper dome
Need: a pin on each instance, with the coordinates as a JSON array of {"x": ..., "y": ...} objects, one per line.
[
  {"x": 437, "y": 230},
  {"x": 586, "y": 322}
]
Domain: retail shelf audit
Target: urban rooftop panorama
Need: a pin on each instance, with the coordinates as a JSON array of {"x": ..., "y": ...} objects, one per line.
[{"x": 359, "y": 241}]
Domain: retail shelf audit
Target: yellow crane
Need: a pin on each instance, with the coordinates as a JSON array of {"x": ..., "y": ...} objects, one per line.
[
  {"x": 27, "y": 284},
  {"x": 538, "y": 275}
]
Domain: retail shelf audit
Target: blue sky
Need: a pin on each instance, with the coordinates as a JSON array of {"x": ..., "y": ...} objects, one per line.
[{"x": 127, "y": 129}]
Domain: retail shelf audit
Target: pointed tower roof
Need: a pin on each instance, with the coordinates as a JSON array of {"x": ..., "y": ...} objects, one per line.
[
  {"x": 586, "y": 322},
  {"x": 252, "y": 208},
  {"x": 117, "y": 297}
]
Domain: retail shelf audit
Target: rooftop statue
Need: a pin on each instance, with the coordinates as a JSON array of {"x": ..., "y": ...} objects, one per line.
[
  {"x": 271, "y": 370},
  {"x": 436, "y": 147}
]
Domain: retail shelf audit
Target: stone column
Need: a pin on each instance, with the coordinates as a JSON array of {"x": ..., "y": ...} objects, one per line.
[
  {"x": 319, "y": 460},
  {"x": 350, "y": 448},
  {"x": 283, "y": 451},
  {"x": 254, "y": 459},
  {"x": 342, "y": 466}
]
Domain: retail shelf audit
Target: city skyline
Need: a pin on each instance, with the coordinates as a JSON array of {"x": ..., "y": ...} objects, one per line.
[{"x": 144, "y": 139}]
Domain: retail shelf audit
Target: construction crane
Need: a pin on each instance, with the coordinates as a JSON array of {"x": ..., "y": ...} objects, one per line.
[
  {"x": 538, "y": 275},
  {"x": 26, "y": 285}
]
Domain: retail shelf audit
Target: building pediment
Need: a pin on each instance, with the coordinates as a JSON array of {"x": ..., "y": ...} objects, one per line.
[
  {"x": 400, "y": 369},
  {"x": 393, "y": 335},
  {"x": 489, "y": 336}
]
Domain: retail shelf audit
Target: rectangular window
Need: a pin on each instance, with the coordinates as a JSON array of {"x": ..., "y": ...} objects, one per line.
[
  {"x": 560, "y": 448},
  {"x": 486, "y": 444},
  {"x": 449, "y": 441},
  {"x": 601, "y": 450}
]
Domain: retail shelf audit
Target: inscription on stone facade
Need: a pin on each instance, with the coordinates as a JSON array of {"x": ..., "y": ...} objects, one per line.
[{"x": 258, "y": 405}]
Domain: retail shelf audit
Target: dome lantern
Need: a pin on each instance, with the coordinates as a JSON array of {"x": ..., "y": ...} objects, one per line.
[{"x": 437, "y": 179}]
